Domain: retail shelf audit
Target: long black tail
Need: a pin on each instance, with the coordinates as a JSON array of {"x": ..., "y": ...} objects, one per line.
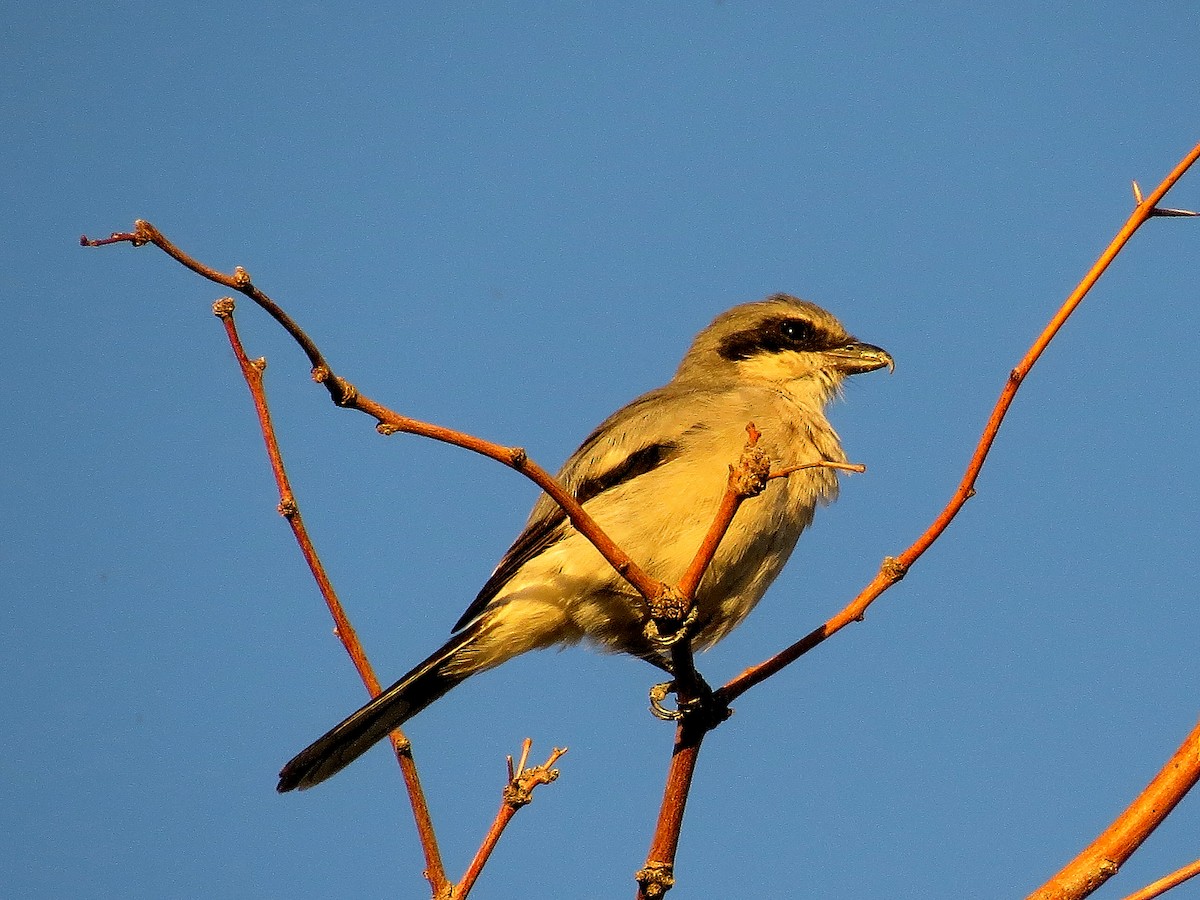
[{"x": 348, "y": 741}]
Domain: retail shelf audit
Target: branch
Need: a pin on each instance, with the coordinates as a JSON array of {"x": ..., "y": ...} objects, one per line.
[
  {"x": 252, "y": 371},
  {"x": 1164, "y": 884},
  {"x": 671, "y": 610},
  {"x": 345, "y": 394},
  {"x": 517, "y": 793},
  {"x": 657, "y": 876},
  {"x": 1101, "y": 859},
  {"x": 747, "y": 479},
  {"x": 895, "y": 568}
]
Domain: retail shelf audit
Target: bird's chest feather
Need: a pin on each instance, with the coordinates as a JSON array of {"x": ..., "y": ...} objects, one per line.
[{"x": 766, "y": 528}]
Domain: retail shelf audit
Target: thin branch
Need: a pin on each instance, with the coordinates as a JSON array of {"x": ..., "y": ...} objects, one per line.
[
  {"x": 671, "y": 610},
  {"x": 144, "y": 233},
  {"x": 1164, "y": 884},
  {"x": 1101, "y": 859},
  {"x": 252, "y": 371},
  {"x": 895, "y": 568},
  {"x": 344, "y": 394},
  {"x": 657, "y": 876},
  {"x": 517, "y": 793},
  {"x": 747, "y": 478}
]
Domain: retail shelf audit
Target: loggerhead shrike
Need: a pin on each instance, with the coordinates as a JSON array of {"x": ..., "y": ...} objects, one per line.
[{"x": 652, "y": 475}]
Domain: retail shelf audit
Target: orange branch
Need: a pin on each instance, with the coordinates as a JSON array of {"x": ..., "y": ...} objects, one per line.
[
  {"x": 252, "y": 371},
  {"x": 517, "y": 793},
  {"x": 345, "y": 394},
  {"x": 1101, "y": 859},
  {"x": 895, "y": 568},
  {"x": 658, "y": 875},
  {"x": 747, "y": 479},
  {"x": 1164, "y": 884}
]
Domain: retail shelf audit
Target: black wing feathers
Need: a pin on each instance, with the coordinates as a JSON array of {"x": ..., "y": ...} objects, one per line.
[{"x": 639, "y": 462}]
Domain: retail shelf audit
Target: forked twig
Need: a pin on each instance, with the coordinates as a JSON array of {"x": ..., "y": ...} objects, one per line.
[
  {"x": 517, "y": 793},
  {"x": 747, "y": 479}
]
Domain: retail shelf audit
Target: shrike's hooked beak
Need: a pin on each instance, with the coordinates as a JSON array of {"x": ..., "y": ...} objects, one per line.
[{"x": 857, "y": 357}]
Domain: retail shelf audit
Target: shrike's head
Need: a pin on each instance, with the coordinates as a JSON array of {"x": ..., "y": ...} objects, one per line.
[{"x": 781, "y": 340}]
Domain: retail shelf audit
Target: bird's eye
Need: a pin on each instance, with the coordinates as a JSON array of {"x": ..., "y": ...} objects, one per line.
[
  {"x": 773, "y": 335},
  {"x": 797, "y": 333}
]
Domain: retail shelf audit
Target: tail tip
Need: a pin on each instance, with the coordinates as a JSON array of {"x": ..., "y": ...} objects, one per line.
[{"x": 294, "y": 777}]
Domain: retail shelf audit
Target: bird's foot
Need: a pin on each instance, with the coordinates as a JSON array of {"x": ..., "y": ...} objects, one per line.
[
  {"x": 703, "y": 707},
  {"x": 658, "y": 693},
  {"x": 663, "y": 633}
]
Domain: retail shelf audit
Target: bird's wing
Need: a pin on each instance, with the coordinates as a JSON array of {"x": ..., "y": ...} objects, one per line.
[{"x": 635, "y": 440}]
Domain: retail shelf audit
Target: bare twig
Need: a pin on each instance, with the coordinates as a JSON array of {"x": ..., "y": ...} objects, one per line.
[
  {"x": 144, "y": 233},
  {"x": 1101, "y": 859},
  {"x": 1164, "y": 884},
  {"x": 748, "y": 478},
  {"x": 517, "y": 793},
  {"x": 252, "y": 371},
  {"x": 345, "y": 394},
  {"x": 895, "y": 568}
]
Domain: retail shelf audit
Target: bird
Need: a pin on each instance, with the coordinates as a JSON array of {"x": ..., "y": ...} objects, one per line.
[{"x": 652, "y": 475}]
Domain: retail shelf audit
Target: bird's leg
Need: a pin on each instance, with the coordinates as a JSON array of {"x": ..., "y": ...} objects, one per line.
[
  {"x": 660, "y": 660},
  {"x": 668, "y": 633},
  {"x": 696, "y": 701},
  {"x": 668, "y": 626}
]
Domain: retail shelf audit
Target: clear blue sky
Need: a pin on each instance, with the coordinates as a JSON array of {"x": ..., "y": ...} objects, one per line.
[{"x": 510, "y": 218}]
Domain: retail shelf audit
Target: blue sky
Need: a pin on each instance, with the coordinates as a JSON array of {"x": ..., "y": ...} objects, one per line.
[{"x": 510, "y": 218}]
